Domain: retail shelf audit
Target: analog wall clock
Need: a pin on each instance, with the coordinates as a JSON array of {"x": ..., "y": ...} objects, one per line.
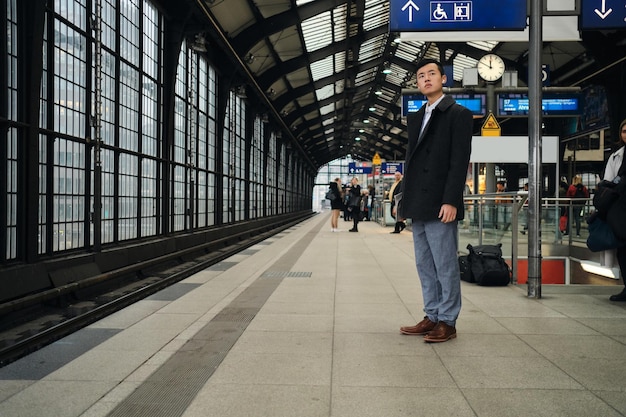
[{"x": 490, "y": 67}]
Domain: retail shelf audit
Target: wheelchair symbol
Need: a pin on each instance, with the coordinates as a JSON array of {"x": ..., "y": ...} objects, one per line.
[{"x": 439, "y": 13}]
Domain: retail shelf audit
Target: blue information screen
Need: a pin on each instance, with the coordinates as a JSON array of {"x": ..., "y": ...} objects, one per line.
[
  {"x": 426, "y": 16},
  {"x": 476, "y": 103},
  {"x": 551, "y": 105},
  {"x": 603, "y": 14}
]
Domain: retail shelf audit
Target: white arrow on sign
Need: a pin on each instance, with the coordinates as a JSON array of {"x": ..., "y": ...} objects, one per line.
[
  {"x": 410, "y": 5},
  {"x": 603, "y": 14}
]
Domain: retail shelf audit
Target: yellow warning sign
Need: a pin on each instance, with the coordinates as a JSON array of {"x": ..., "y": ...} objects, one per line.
[
  {"x": 490, "y": 127},
  {"x": 376, "y": 159}
]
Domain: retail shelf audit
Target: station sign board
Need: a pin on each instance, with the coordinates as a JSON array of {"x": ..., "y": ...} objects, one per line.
[
  {"x": 603, "y": 14},
  {"x": 392, "y": 167},
  {"x": 354, "y": 169},
  {"x": 471, "y": 15}
]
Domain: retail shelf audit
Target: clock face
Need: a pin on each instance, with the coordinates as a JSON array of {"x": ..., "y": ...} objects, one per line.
[{"x": 490, "y": 67}]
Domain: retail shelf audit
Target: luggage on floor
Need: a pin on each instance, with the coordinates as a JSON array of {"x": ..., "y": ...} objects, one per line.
[
  {"x": 466, "y": 271},
  {"x": 487, "y": 266}
]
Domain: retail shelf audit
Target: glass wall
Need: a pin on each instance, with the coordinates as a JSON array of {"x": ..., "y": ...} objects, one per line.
[
  {"x": 160, "y": 159},
  {"x": 10, "y": 143}
]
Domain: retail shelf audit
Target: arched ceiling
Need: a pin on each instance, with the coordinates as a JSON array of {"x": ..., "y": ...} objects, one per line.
[{"x": 332, "y": 71}]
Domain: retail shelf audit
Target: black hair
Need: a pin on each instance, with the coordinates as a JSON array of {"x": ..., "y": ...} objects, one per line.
[{"x": 427, "y": 61}]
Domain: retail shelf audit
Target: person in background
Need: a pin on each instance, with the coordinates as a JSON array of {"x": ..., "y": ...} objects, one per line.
[
  {"x": 364, "y": 210},
  {"x": 396, "y": 188},
  {"x": 347, "y": 216},
  {"x": 371, "y": 193},
  {"x": 525, "y": 210},
  {"x": 354, "y": 203},
  {"x": 336, "y": 204},
  {"x": 577, "y": 190},
  {"x": 500, "y": 188},
  {"x": 615, "y": 166},
  {"x": 502, "y": 207},
  {"x": 438, "y": 153},
  {"x": 563, "y": 187}
]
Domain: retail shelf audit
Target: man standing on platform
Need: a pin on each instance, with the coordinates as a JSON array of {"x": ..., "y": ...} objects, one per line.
[{"x": 438, "y": 152}]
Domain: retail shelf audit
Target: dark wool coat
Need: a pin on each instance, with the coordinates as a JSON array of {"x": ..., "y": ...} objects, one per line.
[{"x": 436, "y": 164}]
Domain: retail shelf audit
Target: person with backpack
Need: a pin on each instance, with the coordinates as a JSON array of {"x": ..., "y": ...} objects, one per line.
[
  {"x": 577, "y": 191},
  {"x": 335, "y": 196}
]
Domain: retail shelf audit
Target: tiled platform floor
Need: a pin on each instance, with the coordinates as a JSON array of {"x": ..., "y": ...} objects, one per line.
[{"x": 306, "y": 324}]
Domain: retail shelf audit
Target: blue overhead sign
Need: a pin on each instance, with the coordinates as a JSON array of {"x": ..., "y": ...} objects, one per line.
[
  {"x": 423, "y": 16},
  {"x": 392, "y": 167},
  {"x": 603, "y": 14},
  {"x": 354, "y": 169}
]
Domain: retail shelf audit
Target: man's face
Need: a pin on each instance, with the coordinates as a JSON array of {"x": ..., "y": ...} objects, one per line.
[
  {"x": 398, "y": 176},
  {"x": 429, "y": 79}
]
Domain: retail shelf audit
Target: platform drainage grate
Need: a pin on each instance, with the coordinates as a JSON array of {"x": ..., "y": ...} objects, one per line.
[{"x": 286, "y": 274}]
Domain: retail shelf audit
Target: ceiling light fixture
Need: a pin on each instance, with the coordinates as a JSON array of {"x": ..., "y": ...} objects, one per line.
[{"x": 249, "y": 59}]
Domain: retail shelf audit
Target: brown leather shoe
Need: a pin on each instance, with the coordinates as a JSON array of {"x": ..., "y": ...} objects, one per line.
[
  {"x": 441, "y": 333},
  {"x": 421, "y": 328}
]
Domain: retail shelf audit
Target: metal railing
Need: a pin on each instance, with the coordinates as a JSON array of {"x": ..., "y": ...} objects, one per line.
[{"x": 503, "y": 218}]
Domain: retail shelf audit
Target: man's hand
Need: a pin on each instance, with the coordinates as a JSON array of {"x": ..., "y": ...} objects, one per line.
[{"x": 447, "y": 213}]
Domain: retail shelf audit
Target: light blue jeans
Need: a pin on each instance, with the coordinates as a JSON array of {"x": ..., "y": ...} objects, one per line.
[{"x": 435, "y": 245}]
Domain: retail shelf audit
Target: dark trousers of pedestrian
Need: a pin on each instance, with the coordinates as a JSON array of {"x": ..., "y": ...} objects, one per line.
[
  {"x": 576, "y": 214},
  {"x": 355, "y": 219},
  {"x": 621, "y": 260}
]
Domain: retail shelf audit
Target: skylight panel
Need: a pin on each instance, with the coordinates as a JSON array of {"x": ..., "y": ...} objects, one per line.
[
  {"x": 340, "y": 61},
  {"x": 483, "y": 45},
  {"x": 327, "y": 109},
  {"x": 317, "y": 31},
  {"x": 365, "y": 76},
  {"x": 376, "y": 14},
  {"x": 339, "y": 26},
  {"x": 372, "y": 49},
  {"x": 324, "y": 92},
  {"x": 397, "y": 74},
  {"x": 461, "y": 62},
  {"x": 409, "y": 50},
  {"x": 322, "y": 68}
]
